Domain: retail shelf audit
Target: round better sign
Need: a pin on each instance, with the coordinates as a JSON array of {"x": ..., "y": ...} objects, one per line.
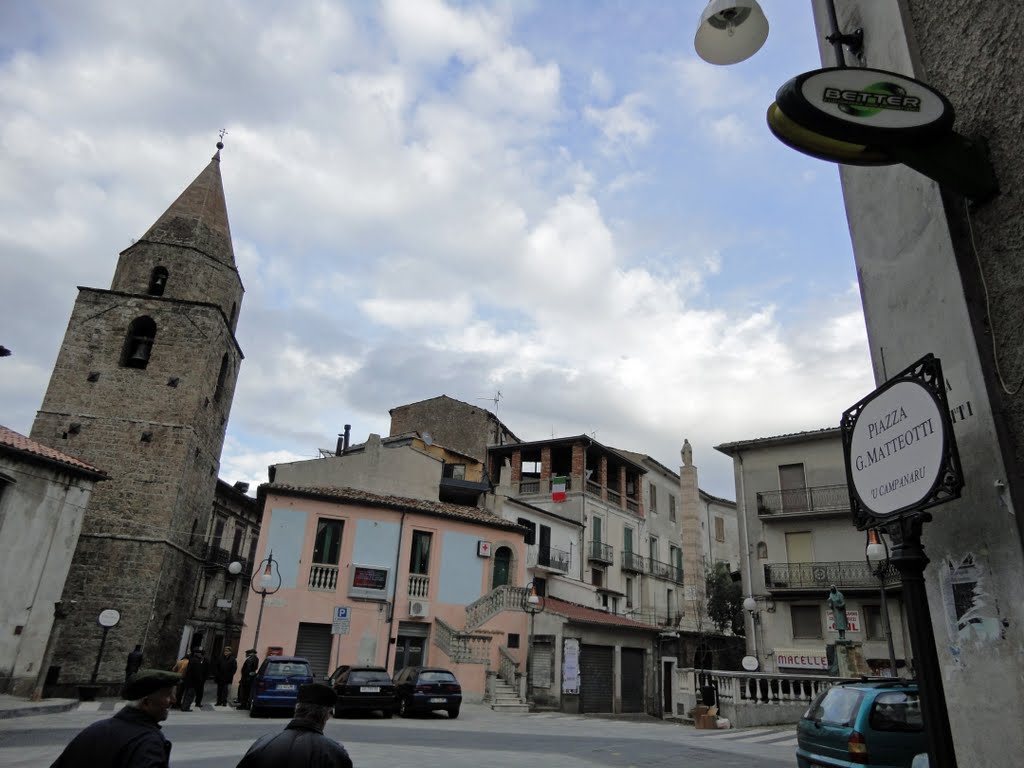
[{"x": 897, "y": 448}]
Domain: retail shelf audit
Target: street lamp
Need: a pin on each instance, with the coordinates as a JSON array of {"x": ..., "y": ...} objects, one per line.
[
  {"x": 532, "y": 604},
  {"x": 268, "y": 575},
  {"x": 876, "y": 552}
]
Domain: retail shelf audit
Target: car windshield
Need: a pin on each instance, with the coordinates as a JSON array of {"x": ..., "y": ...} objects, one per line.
[
  {"x": 897, "y": 711},
  {"x": 363, "y": 676},
  {"x": 287, "y": 668},
  {"x": 837, "y": 706},
  {"x": 437, "y": 676}
]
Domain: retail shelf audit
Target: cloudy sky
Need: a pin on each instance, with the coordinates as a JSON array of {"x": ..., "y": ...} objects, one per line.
[{"x": 555, "y": 200}]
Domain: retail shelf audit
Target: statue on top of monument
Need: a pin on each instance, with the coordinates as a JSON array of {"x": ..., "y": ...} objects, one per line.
[
  {"x": 837, "y": 603},
  {"x": 687, "y": 453}
]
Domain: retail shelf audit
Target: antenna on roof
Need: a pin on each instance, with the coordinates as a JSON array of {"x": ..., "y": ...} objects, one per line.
[{"x": 495, "y": 399}]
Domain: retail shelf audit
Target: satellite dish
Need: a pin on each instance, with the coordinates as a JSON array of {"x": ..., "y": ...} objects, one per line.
[{"x": 427, "y": 438}]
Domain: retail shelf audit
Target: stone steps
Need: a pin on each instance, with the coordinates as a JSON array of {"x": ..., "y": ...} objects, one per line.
[{"x": 505, "y": 699}]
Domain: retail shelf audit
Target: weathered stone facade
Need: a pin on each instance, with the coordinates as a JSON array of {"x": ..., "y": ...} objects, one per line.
[
  {"x": 456, "y": 425},
  {"x": 153, "y": 414}
]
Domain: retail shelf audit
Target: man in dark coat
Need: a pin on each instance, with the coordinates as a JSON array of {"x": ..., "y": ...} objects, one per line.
[
  {"x": 195, "y": 678},
  {"x": 249, "y": 668},
  {"x": 302, "y": 743},
  {"x": 132, "y": 737},
  {"x": 223, "y": 673},
  {"x": 134, "y": 663}
]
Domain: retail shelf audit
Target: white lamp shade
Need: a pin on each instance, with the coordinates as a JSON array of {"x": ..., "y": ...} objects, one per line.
[
  {"x": 749, "y": 604},
  {"x": 876, "y": 552},
  {"x": 235, "y": 568},
  {"x": 730, "y": 31}
]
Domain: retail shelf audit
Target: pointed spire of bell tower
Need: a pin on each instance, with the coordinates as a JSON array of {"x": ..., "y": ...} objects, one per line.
[{"x": 199, "y": 217}]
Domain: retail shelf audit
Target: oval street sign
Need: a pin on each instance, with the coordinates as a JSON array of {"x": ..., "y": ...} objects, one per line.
[
  {"x": 897, "y": 449},
  {"x": 109, "y": 617}
]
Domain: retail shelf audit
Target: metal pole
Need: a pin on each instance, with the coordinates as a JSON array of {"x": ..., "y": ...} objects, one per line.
[
  {"x": 99, "y": 656},
  {"x": 529, "y": 654},
  {"x": 259, "y": 620},
  {"x": 837, "y": 46},
  {"x": 910, "y": 560},
  {"x": 886, "y": 625}
]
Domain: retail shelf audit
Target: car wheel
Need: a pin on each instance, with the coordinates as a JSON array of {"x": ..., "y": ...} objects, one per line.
[
  {"x": 453, "y": 713},
  {"x": 403, "y": 708},
  {"x": 254, "y": 711}
]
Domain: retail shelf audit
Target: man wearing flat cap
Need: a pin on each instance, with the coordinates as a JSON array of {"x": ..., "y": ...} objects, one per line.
[
  {"x": 132, "y": 737},
  {"x": 302, "y": 743}
]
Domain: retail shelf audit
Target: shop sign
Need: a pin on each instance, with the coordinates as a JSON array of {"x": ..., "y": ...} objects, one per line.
[{"x": 801, "y": 658}]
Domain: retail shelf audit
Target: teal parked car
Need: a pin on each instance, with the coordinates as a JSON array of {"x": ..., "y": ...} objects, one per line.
[{"x": 875, "y": 723}]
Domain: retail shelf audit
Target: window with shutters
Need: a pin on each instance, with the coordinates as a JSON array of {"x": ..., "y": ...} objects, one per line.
[
  {"x": 806, "y": 621},
  {"x": 629, "y": 592},
  {"x": 531, "y": 526},
  {"x": 719, "y": 529},
  {"x": 327, "y": 547},
  {"x": 672, "y": 508},
  {"x": 652, "y": 503}
]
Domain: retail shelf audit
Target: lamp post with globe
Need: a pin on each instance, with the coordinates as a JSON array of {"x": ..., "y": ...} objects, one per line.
[{"x": 268, "y": 577}]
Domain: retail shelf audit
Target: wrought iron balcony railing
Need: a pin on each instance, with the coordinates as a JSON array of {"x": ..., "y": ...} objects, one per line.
[
  {"x": 600, "y": 552},
  {"x": 818, "y": 498},
  {"x": 631, "y": 561},
  {"x": 844, "y": 574},
  {"x": 549, "y": 557},
  {"x": 665, "y": 571}
]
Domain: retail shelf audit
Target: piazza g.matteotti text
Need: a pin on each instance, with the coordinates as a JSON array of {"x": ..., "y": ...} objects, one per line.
[{"x": 905, "y": 437}]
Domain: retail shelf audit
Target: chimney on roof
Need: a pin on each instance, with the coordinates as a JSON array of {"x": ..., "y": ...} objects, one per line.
[
  {"x": 242, "y": 487},
  {"x": 342, "y": 446}
]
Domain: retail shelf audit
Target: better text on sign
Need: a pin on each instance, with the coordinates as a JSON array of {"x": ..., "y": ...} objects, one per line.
[{"x": 897, "y": 448}]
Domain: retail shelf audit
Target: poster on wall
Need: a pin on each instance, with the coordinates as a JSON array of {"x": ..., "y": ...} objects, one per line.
[
  {"x": 852, "y": 621},
  {"x": 571, "y": 666}
]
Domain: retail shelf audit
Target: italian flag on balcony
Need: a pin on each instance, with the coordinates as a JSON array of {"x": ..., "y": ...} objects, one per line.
[{"x": 558, "y": 488}]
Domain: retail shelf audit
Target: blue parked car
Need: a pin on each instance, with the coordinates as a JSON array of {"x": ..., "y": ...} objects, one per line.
[
  {"x": 277, "y": 684},
  {"x": 869, "y": 723}
]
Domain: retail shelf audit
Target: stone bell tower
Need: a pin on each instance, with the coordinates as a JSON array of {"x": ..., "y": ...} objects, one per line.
[{"x": 142, "y": 387}]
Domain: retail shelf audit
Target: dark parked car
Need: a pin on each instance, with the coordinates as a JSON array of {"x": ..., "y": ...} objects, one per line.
[
  {"x": 369, "y": 689},
  {"x": 868, "y": 723},
  {"x": 277, "y": 682},
  {"x": 425, "y": 689}
]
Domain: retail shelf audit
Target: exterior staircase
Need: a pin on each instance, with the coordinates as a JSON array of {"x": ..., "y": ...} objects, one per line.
[{"x": 505, "y": 698}]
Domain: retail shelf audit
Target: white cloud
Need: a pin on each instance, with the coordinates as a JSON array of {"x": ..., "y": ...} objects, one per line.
[{"x": 623, "y": 126}]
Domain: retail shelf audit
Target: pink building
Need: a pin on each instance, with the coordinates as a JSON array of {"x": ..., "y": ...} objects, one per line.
[{"x": 423, "y": 582}]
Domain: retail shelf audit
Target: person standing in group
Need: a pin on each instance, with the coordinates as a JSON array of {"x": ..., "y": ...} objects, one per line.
[
  {"x": 179, "y": 668},
  {"x": 134, "y": 663},
  {"x": 223, "y": 673},
  {"x": 131, "y": 738},
  {"x": 249, "y": 667},
  {"x": 195, "y": 678},
  {"x": 302, "y": 743}
]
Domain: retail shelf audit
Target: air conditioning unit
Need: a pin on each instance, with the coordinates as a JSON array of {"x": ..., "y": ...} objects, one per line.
[{"x": 419, "y": 609}]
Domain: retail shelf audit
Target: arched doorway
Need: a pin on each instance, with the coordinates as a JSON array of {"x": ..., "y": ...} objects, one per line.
[{"x": 502, "y": 567}]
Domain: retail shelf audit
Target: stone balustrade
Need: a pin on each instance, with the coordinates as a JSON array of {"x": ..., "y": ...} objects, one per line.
[{"x": 323, "y": 578}]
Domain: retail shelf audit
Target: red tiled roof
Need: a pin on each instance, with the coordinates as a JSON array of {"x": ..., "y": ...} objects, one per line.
[
  {"x": 435, "y": 508},
  {"x": 583, "y": 615},
  {"x": 21, "y": 444}
]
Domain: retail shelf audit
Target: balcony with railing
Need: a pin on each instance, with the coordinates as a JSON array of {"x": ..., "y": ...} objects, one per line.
[
  {"x": 215, "y": 556},
  {"x": 532, "y": 486},
  {"x": 419, "y": 585},
  {"x": 845, "y": 574},
  {"x": 665, "y": 571},
  {"x": 631, "y": 561},
  {"x": 599, "y": 552},
  {"x": 323, "y": 577},
  {"x": 549, "y": 557},
  {"x": 814, "y": 500}
]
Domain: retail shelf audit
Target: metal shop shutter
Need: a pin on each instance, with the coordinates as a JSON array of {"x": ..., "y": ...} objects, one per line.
[
  {"x": 632, "y": 680},
  {"x": 542, "y": 662},
  {"x": 596, "y": 678},
  {"x": 314, "y": 645}
]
